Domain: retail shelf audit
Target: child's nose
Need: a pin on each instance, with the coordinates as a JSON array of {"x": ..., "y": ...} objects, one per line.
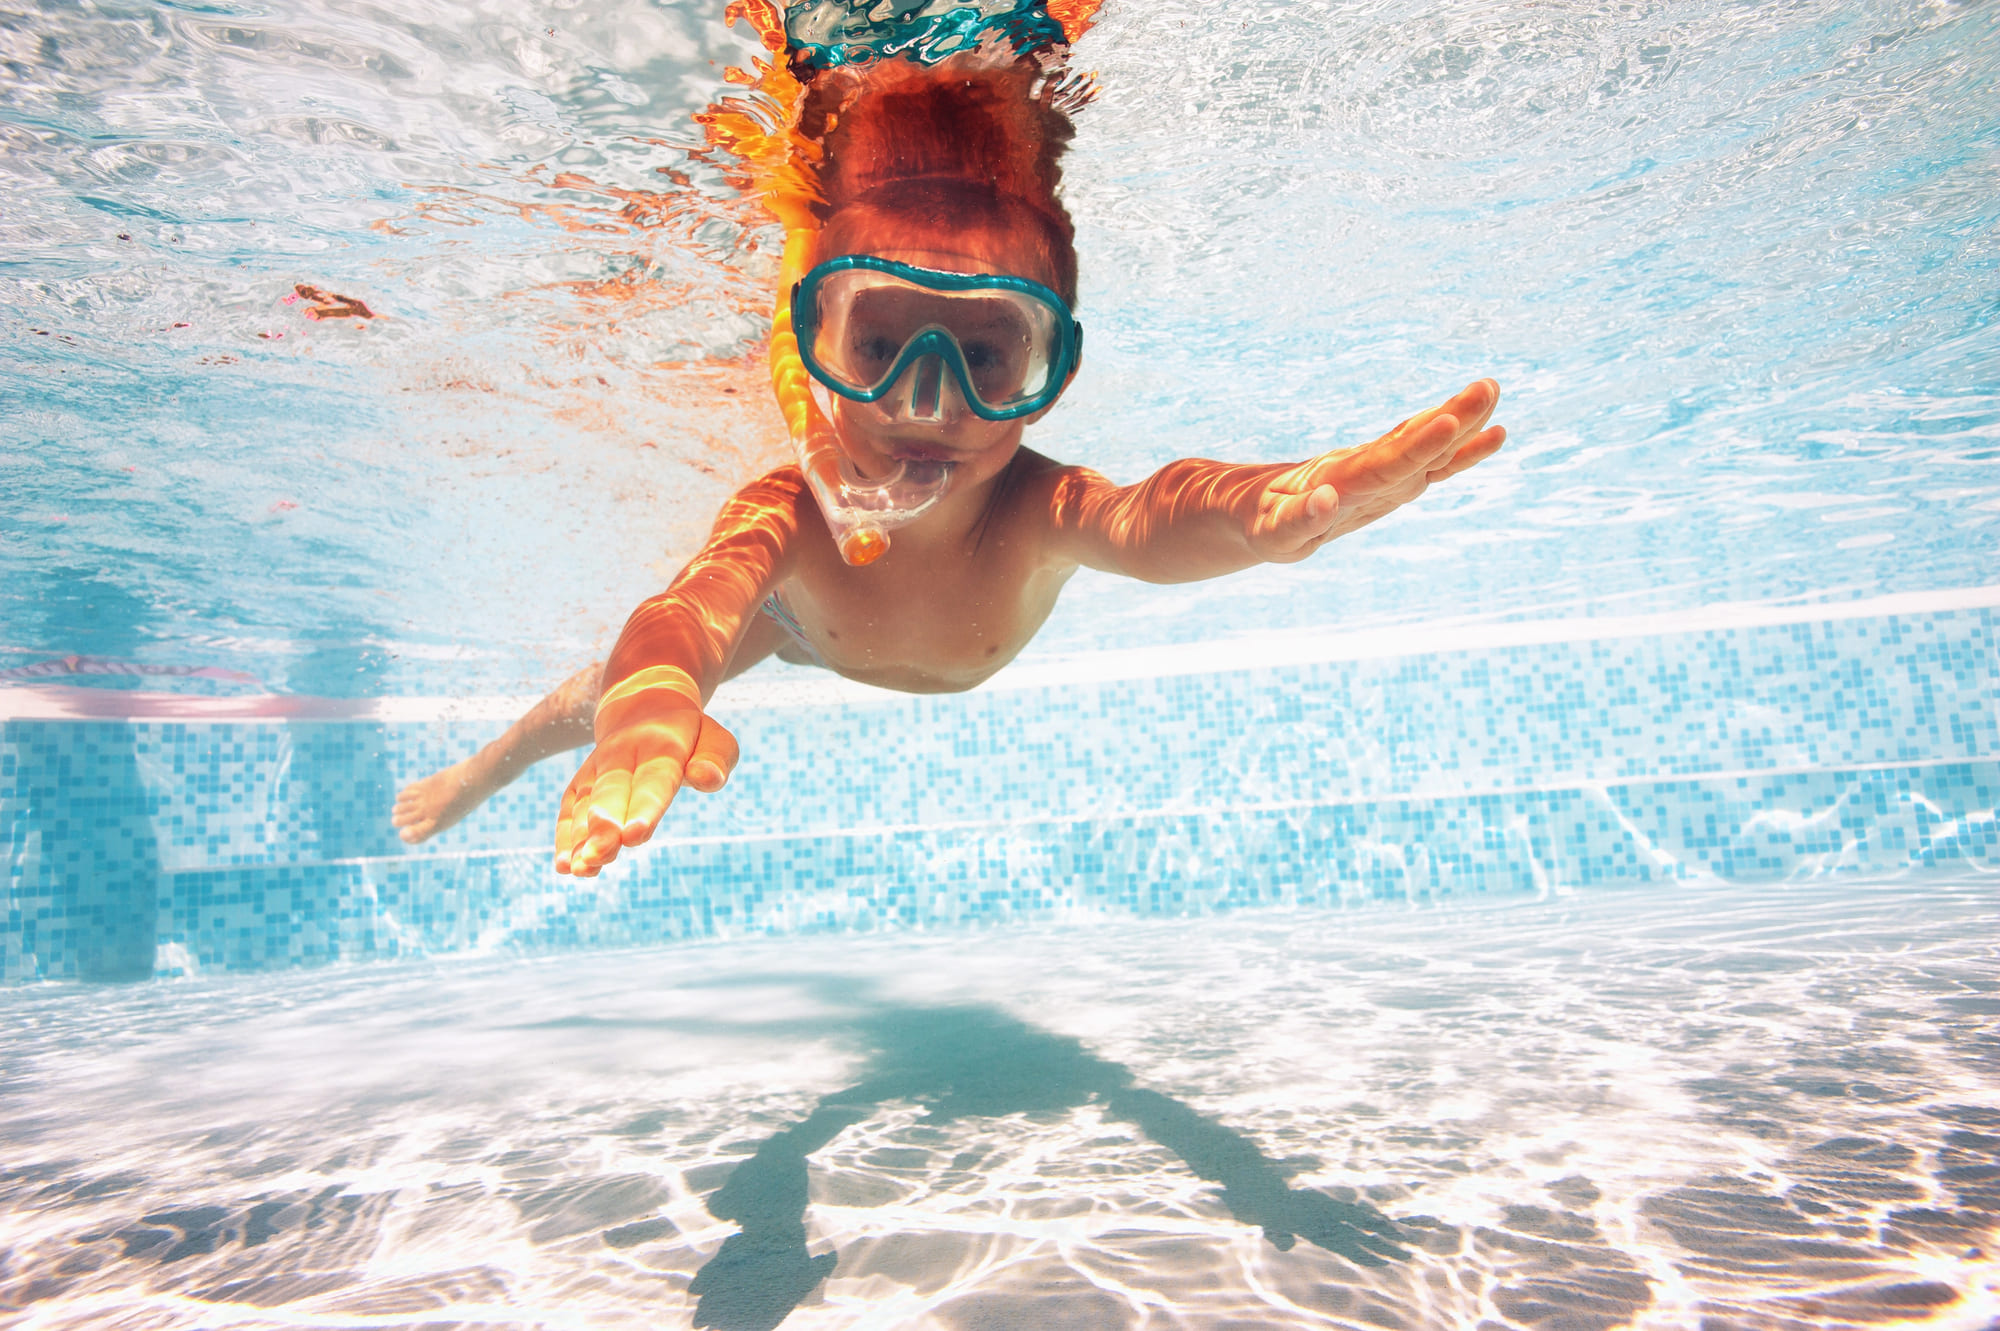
[
  {"x": 926, "y": 392},
  {"x": 933, "y": 395}
]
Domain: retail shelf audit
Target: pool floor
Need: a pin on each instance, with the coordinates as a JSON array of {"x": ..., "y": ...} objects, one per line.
[{"x": 1711, "y": 1107}]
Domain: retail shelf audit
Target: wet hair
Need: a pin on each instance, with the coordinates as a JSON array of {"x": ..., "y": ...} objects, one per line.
[
  {"x": 924, "y": 152},
  {"x": 929, "y": 213}
]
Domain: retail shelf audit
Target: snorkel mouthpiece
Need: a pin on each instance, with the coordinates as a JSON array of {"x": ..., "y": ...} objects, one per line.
[{"x": 860, "y": 512}]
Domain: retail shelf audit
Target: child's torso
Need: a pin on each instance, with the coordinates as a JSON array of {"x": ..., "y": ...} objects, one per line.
[{"x": 932, "y": 617}]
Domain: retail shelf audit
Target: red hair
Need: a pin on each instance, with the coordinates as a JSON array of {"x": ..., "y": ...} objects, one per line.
[{"x": 970, "y": 143}]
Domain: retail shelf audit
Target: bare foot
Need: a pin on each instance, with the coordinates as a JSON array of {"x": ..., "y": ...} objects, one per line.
[
  {"x": 425, "y": 808},
  {"x": 558, "y": 722}
]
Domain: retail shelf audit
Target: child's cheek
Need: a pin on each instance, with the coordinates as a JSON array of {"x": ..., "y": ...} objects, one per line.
[{"x": 858, "y": 430}]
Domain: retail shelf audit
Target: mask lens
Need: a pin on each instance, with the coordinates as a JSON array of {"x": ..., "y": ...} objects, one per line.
[{"x": 867, "y": 319}]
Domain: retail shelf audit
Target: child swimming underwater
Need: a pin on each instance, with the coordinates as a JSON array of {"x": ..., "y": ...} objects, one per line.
[{"x": 926, "y": 321}]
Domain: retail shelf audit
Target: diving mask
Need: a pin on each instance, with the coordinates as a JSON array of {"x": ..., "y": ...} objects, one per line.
[{"x": 871, "y": 329}]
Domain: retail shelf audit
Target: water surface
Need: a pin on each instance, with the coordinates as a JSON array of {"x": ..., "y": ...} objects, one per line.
[{"x": 1735, "y": 265}]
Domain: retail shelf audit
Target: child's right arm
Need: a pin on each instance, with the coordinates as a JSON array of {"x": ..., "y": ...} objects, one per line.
[
  {"x": 652, "y": 732},
  {"x": 1195, "y": 519}
]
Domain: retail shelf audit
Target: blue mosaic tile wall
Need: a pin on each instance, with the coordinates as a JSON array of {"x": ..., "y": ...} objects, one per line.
[{"x": 1773, "y": 753}]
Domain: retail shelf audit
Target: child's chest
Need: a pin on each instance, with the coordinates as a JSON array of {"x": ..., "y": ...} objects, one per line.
[{"x": 922, "y": 624}]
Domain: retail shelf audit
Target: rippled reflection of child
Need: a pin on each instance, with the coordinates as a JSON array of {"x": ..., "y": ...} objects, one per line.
[{"x": 947, "y": 170}]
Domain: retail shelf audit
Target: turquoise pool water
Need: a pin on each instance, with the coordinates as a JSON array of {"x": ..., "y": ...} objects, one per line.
[
  {"x": 1568, "y": 904},
  {"x": 1735, "y": 269}
]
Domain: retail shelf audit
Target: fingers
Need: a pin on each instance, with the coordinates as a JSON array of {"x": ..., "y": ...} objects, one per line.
[
  {"x": 714, "y": 757},
  {"x": 660, "y": 776},
  {"x": 1482, "y": 446},
  {"x": 1427, "y": 443},
  {"x": 597, "y": 809},
  {"x": 1345, "y": 490},
  {"x": 1411, "y": 450},
  {"x": 568, "y": 829},
  {"x": 653, "y": 787},
  {"x": 1473, "y": 405},
  {"x": 604, "y": 812},
  {"x": 616, "y": 800},
  {"x": 1442, "y": 430},
  {"x": 587, "y": 837}
]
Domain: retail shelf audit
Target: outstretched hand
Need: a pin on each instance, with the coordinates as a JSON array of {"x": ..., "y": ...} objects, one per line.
[
  {"x": 652, "y": 738},
  {"x": 1305, "y": 507}
]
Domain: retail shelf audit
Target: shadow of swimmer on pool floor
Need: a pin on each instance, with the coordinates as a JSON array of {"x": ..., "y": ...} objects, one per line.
[{"x": 972, "y": 1062}]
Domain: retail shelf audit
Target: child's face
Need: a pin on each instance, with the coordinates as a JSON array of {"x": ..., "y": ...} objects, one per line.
[{"x": 878, "y": 435}]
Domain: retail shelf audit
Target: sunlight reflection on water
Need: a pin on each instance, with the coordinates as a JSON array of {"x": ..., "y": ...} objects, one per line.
[{"x": 1735, "y": 269}]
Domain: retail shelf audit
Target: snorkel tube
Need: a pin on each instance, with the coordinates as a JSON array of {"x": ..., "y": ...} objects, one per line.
[{"x": 859, "y": 512}]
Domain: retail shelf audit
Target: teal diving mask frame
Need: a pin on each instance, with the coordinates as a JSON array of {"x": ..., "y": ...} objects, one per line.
[{"x": 865, "y": 324}]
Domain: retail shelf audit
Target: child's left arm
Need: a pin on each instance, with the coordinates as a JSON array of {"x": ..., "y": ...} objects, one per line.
[{"x": 1193, "y": 519}]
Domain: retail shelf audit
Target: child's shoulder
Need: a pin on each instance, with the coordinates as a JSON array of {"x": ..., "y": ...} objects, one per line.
[
  {"x": 1033, "y": 486},
  {"x": 1034, "y": 473},
  {"x": 1054, "y": 488},
  {"x": 1049, "y": 502}
]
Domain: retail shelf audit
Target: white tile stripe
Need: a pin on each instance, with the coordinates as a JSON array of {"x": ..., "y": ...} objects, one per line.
[
  {"x": 1266, "y": 650},
  {"x": 793, "y": 688},
  {"x": 874, "y": 832}
]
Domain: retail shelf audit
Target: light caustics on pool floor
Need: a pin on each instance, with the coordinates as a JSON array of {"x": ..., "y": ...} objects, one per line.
[{"x": 1720, "y": 1107}]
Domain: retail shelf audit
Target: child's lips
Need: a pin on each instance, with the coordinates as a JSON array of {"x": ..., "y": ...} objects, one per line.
[{"x": 921, "y": 453}]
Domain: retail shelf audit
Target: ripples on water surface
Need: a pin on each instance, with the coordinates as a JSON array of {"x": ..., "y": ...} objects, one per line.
[
  {"x": 1763, "y": 1108},
  {"x": 1735, "y": 264}
]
